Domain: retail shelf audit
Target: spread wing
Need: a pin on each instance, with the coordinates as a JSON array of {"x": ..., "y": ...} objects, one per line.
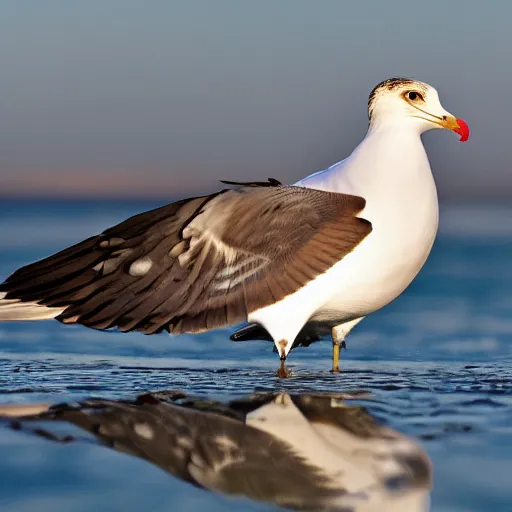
[{"x": 193, "y": 265}]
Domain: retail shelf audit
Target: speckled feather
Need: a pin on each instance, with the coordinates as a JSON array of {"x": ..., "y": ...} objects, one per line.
[
  {"x": 388, "y": 85},
  {"x": 196, "y": 264}
]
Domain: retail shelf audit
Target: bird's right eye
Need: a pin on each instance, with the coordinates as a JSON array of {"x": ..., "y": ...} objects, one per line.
[{"x": 414, "y": 96}]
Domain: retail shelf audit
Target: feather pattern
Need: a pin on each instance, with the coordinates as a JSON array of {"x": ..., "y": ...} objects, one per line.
[{"x": 195, "y": 264}]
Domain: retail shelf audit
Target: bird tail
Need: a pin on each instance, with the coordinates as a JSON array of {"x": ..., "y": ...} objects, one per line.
[{"x": 16, "y": 310}]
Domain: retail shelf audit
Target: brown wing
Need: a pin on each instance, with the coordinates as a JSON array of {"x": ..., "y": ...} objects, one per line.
[{"x": 196, "y": 264}]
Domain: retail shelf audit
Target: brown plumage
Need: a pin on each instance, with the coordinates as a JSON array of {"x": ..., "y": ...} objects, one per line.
[{"x": 196, "y": 264}]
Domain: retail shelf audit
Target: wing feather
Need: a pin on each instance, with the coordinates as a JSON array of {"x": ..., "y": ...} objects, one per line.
[{"x": 196, "y": 264}]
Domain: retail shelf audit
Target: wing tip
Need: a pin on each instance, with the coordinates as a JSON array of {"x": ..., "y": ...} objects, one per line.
[
  {"x": 250, "y": 332},
  {"x": 18, "y": 311}
]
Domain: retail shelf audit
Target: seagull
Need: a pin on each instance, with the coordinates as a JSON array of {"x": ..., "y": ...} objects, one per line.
[
  {"x": 298, "y": 451},
  {"x": 317, "y": 256}
]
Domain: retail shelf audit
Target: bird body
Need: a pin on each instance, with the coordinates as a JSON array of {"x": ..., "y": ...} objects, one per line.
[
  {"x": 403, "y": 210},
  {"x": 325, "y": 252}
]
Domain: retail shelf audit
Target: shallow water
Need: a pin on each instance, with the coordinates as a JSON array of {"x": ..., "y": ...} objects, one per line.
[{"x": 437, "y": 362}]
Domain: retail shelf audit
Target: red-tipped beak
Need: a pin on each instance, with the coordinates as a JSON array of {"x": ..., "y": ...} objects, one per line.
[{"x": 462, "y": 129}]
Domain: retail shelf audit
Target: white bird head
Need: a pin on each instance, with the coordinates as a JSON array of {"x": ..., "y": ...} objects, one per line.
[{"x": 401, "y": 101}]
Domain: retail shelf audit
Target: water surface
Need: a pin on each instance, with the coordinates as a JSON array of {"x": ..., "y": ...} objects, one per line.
[{"x": 437, "y": 362}]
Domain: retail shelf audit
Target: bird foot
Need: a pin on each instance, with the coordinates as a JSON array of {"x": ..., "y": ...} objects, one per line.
[
  {"x": 335, "y": 369},
  {"x": 283, "y": 372}
]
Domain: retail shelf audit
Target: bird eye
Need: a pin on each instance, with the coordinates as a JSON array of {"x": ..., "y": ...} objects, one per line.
[{"x": 414, "y": 96}]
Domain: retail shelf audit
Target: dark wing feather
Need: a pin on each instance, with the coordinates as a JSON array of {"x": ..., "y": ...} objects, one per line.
[
  {"x": 310, "y": 333},
  {"x": 272, "y": 182},
  {"x": 196, "y": 264}
]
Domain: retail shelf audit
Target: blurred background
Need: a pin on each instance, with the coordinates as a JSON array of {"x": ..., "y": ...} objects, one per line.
[{"x": 123, "y": 98}]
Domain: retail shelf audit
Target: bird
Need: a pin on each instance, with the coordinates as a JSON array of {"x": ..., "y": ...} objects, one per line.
[
  {"x": 305, "y": 259},
  {"x": 298, "y": 451}
]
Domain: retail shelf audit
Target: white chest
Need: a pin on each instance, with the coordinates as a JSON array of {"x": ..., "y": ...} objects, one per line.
[
  {"x": 403, "y": 209},
  {"x": 402, "y": 206},
  {"x": 386, "y": 262}
]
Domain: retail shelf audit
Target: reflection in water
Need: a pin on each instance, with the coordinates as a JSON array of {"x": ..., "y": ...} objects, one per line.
[{"x": 302, "y": 452}]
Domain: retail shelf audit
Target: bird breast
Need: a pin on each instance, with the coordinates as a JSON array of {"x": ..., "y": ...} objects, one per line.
[{"x": 401, "y": 203}]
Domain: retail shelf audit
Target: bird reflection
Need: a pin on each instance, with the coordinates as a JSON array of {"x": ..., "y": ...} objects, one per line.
[{"x": 298, "y": 451}]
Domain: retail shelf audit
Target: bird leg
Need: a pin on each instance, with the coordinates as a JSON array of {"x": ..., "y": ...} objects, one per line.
[
  {"x": 283, "y": 372},
  {"x": 339, "y": 333},
  {"x": 337, "y": 343}
]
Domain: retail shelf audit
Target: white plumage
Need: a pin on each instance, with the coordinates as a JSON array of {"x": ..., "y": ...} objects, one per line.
[
  {"x": 343, "y": 243},
  {"x": 390, "y": 169}
]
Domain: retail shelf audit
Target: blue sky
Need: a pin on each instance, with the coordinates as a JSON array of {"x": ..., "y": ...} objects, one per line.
[{"x": 164, "y": 98}]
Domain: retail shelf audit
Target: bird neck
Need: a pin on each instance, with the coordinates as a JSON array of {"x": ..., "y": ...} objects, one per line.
[
  {"x": 390, "y": 169},
  {"x": 390, "y": 157},
  {"x": 390, "y": 161}
]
